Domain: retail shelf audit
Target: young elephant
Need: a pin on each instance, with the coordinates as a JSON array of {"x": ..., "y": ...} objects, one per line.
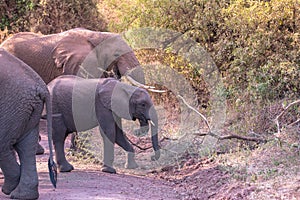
[
  {"x": 23, "y": 94},
  {"x": 81, "y": 104}
]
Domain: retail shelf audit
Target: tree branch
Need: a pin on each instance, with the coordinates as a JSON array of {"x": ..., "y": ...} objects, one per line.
[
  {"x": 294, "y": 123},
  {"x": 283, "y": 112},
  {"x": 144, "y": 148},
  {"x": 232, "y": 136},
  {"x": 196, "y": 111},
  {"x": 226, "y": 137}
]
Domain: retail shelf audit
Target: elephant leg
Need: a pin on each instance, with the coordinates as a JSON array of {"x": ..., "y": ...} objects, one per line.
[
  {"x": 74, "y": 137},
  {"x": 108, "y": 152},
  {"x": 122, "y": 142},
  {"x": 40, "y": 150},
  {"x": 107, "y": 129},
  {"x": 26, "y": 149},
  {"x": 11, "y": 171},
  {"x": 59, "y": 136}
]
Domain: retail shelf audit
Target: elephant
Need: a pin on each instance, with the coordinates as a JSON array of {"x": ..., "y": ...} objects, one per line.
[
  {"x": 78, "y": 51},
  {"x": 23, "y": 95},
  {"x": 81, "y": 104}
]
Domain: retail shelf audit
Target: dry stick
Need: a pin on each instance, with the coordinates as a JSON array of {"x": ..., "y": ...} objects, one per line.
[
  {"x": 294, "y": 123},
  {"x": 196, "y": 111},
  {"x": 232, "y": 136},
  {"x": 283, "y": 112},
  {"x": 144, "y": 148}
]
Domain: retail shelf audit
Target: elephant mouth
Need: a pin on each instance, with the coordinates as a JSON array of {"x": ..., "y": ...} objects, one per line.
[{"x": 144, "y": 128}]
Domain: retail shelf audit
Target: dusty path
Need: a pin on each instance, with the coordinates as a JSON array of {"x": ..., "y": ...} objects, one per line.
[{"x": 87, "y": 182}]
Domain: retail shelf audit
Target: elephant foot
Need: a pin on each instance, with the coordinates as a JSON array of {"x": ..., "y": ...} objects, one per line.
[
  {"x": 108, "y": 169},
  {"x": 40, "y": 150},
  {"x": 7, "y": 190},
  {"x": 131, "y": 165},
  {"x": 25, "y": 193},
  {"x": 9, "y": 186},
  {"x": 65, "y": 167},
  {"x": 156, "y": 156}
]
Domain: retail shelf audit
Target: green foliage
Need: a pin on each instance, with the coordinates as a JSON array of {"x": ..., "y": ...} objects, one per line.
[
  {"x": 263, "y": 46},
  {"x": 47, "y": 16},
  {"x": 255, "y": 44},
  {"x": 13, "y": 13},
  {"x": 56, "y": 15}
]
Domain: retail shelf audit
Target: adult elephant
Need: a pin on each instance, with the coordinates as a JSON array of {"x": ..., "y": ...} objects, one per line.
[
  {"x": 81, "y": 104},
  {"x": 78, "y": 52},
  {"x": 23, "y": 94}
]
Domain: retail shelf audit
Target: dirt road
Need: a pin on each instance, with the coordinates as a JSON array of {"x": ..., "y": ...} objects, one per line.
[
  {"x": 91, "y": 184},
  {"x": 87, "y": 182}
]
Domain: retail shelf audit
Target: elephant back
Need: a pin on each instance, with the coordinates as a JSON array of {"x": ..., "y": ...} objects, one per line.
[
  {"x": 20, "y": 86},
  {"x": 35, "y": 50}
]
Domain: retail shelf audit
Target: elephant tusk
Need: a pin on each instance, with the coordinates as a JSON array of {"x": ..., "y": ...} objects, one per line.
[
  {"x": 157, "y": 91},
  {"x": 152, "y": 123},
  {"x": 134, "y": 82},
  {"x": 150, "y": 88}
]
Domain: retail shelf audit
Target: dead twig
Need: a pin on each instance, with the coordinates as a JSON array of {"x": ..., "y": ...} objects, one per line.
[
  {"x": 283, "y": 112},
  {"x": 226, "y": 137},
  {"x": 294, "y": 123},
  {"x": 196, "y": 111},
  {"x": 145, "y": 148},
  {"x": 232, "y": 136}
]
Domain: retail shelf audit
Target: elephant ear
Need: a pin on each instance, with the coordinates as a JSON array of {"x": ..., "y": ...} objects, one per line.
[
  {"x": 70, "y": 52},
  {"x": 115, "y": 96}
]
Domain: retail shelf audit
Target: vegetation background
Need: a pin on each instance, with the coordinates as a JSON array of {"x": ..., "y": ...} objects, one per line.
[{"x": 254, "y": 43}]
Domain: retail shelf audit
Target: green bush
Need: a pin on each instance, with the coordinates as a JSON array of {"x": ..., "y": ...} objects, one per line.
[
  {"x": 255, "y": 44},
  {"x": 60, "y": 15},
  {"x": 13, "y": 14},
  {"x": 48, "y": 17}
]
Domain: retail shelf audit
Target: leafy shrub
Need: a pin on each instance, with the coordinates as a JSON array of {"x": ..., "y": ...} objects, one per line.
[
  {"x": 48, "y": 17},
  {"x": 60, "y": 15},
  {"x": 255, "y": 44}
]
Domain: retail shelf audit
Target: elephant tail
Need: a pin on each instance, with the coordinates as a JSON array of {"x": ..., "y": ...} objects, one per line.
[{"x": 51, "y": 164}]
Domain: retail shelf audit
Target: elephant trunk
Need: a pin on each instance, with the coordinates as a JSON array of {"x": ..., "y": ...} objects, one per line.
[
  {"x": 154, "y": 133},
  {"x": 144, "y": 128}
]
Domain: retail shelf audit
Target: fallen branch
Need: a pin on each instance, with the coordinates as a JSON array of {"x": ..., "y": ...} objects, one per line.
[
  {"x": 232, "y": 136},
  {"x": 196, "y": 111},
  {"x": 294, "y": 123},
  {"x": 144, "y": 148},
  {"x": 226, "y": 137},
  {"x": 283, "y": 112}
]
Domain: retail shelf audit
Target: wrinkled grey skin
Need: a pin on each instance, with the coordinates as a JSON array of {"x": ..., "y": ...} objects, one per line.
[
  {"x": 23, "y": 94},
  {"x": 81, "y": 104},
  {"x": 63, "y": 53}
]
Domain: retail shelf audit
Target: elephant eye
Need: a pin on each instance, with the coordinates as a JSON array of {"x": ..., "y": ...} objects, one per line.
[{"x": 143, "y": 105}]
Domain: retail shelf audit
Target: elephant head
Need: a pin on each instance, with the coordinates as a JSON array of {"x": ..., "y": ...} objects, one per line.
[
  {"x": 142, "y": 108},
  {"x": 96, "y": 53},
  {"x": 132, "y": 103}
]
